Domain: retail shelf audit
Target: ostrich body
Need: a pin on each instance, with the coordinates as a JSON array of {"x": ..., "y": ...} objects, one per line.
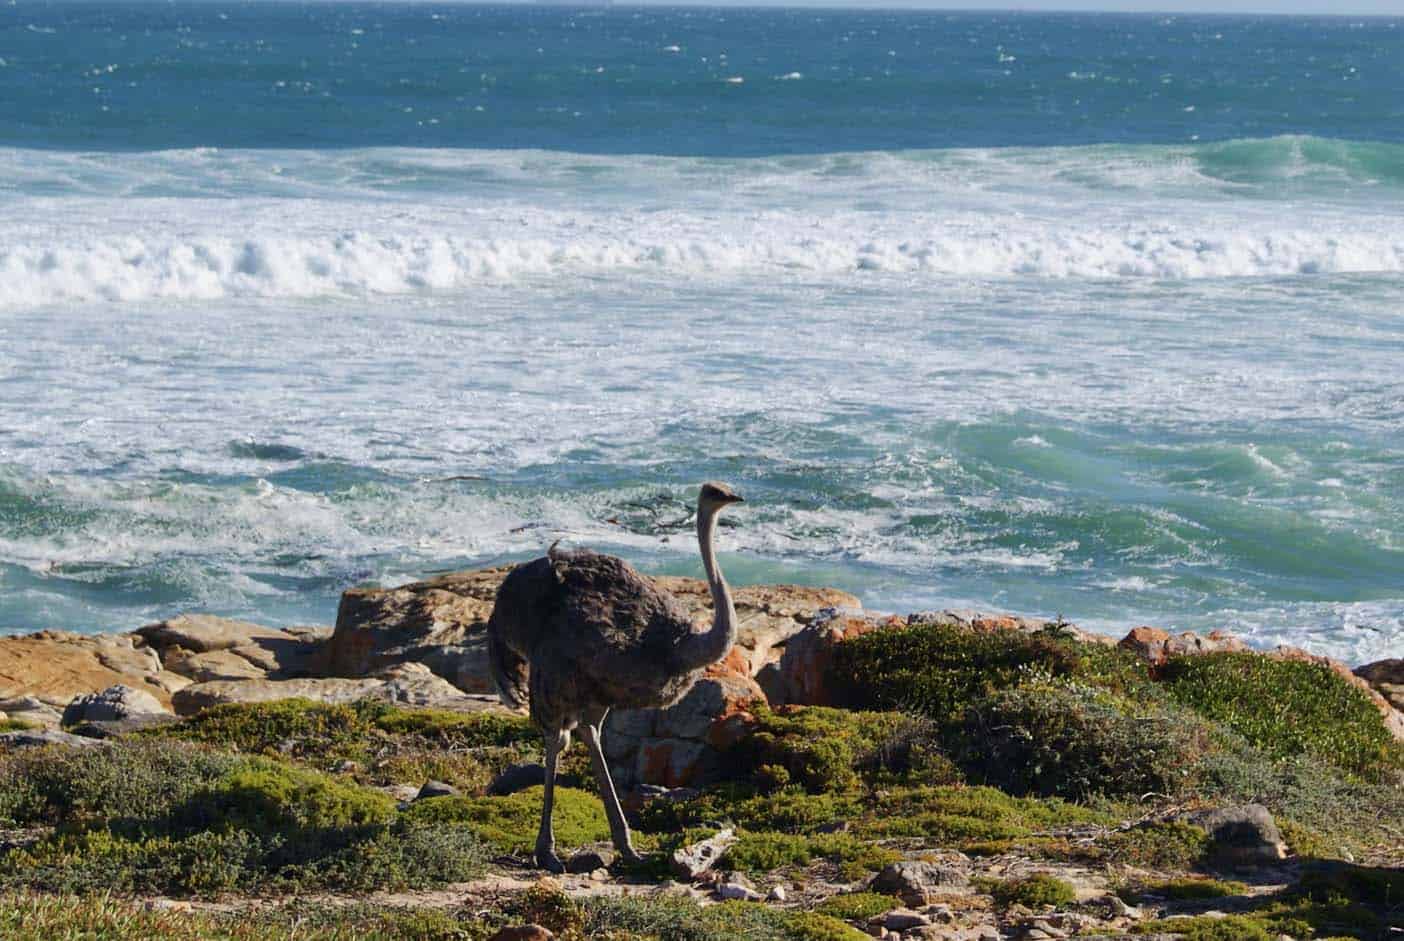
[{"x": 576, "y": 634}]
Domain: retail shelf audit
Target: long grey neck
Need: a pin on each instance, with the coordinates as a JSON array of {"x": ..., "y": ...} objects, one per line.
[{"x": 701, "y": 650}]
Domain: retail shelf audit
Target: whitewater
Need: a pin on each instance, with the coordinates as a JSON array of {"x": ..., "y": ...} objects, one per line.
[{"x": 1123, "y": 347}]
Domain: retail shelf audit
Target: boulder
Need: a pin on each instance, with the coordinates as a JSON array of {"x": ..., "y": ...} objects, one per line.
[
  {"x": 32, "y": 711},
  {"x": 1387, "y": 679},
  {"x": 112, "y": 704},
  {"x": 116, "y": 728},
  {"x": 916, "y": 882},
  {"x": 587, "y": 861},
  {"x": 407, "y": 684},
  {"x": 441, "y": 623},
  {"x": 38, "y": 738},
  {"x": 690, "y": 862},
  {"x": 516, "y": 778},
  {"x": 202, "y": 633},
  {"x": 55, "y": 666},
  {"x": 435, "y": 789},
  {"x": 677, "y": 746},
  {"x": 1155, "y": 646},
  {"x": 802, "y": 673},
  {"x": 767, "y": 616},
  {"x": 1245, "y": 835}
]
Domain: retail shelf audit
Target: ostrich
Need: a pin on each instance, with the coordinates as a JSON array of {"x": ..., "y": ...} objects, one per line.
[{"x": 576, "y": 634}]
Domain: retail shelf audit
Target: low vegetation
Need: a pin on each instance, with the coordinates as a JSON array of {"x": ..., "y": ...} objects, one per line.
[{"x": 1030, "y": 745}]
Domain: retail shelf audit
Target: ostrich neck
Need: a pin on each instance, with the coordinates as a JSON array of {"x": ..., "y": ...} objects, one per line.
[{"x": 701, "y": 650}]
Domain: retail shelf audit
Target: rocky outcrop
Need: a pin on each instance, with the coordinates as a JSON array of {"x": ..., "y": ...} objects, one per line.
[
  {"x": 112, "y": 705},
  {"x": 441, "y": 623},
  {"x": 202, "y": 647},
  {"x": 32, "y": 711},
  {"x": 678, "y": 746},
  {"x": 56, "y": 666},
  {"x": 801, "y": 676},
  {"x": 1155, "y": 646},
  {"x": 1386, "y": 677},
  {"x": 917, "y": 882},
  {"x": 407, "y": 684},
  {"x": 1245, "y": 835}
]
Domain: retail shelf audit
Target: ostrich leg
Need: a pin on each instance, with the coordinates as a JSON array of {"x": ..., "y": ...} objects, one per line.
[
  {"x": 556, "y": 742},
  {"x": 590, "y": 731}
]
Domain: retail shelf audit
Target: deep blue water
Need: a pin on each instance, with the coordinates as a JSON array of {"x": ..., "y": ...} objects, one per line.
[{"x": 148, "y": 76}]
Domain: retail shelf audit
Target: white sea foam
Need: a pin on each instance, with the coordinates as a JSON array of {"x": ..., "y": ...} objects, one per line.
[{"x": 264, "y": 260}]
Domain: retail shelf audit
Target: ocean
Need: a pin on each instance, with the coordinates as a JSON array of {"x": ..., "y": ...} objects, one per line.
[{"x": 1097, "y": 316}]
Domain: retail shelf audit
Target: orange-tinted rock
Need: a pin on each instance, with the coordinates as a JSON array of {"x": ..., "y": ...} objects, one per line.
[
  {"x": 56, "y": 666},
  {"x": 804, "y": 665},
  {"x": 1155, "y": 646},
  {"x": 1146, "y": 642},
  {"x": 1387, "y": 677},
  {"x": 672, "y": 762}
]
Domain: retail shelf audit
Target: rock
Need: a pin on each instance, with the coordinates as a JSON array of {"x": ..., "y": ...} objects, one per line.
[
  {"x": 55, "y": 666},
  {"x": 1245, "y": 835},
  {"x": 916, "y": 882},
  {"x": 116, "y": 728},
  {"x": 804, "y": 665},
  {"x": 1155, "y": 646},
  {"x": 671, "y": 762},
  {"x": 904, "y": 919},
  {"x": 441, "y": 623},
  {"x": 33, "y": 711},
  {"x": 767, "y": 615},
  {"x": 435, "y": 789},
  {"x": 777, "y": 893},
  {"x": 201, "y": 633},
  {"x": 690, "y": 862},
  {"x": 38, "y": 738},
  {"x": 408, "y": 684},
  {"x": 112, "y": 704},
  {"x": 516, "y": 778},
  {"x": 523, "y": 933},
  {"x": 589, "y": 861},
  {"x": 1387, "y": 678},
  {"x": 737, "y": 891}
]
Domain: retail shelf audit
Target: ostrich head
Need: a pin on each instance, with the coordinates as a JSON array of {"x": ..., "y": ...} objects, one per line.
[{"x": 715, "y": 496}]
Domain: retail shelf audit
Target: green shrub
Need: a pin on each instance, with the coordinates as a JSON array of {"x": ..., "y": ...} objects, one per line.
[
  {"x": 1158, "y": 845},
  {"x": 763, "y": 852},
  {"x": 819, "y": 749},
  {"x": 462, "y": 730},
  {"x": 1226, "y": 928},
  {"x": 127, "y": 779},
  {"x": 961, "y": 814},
  {"x": 681, "y": 919},
  {"x": 1188, "y": 888},
  {"x": 14, "y": 725},
  {"x": 815, "y": 926},
  {"x": 1286, "y": 708},
  {"x": 940, "y": 670},
  {"x": 1039, "y": 890},
  {"x": 511, "y": 822},
  {"x": 857, "y": 906},
  {"x": 790, "y": 809},
  {"x": 1066, "y": 740},
  {"x": 270, "y": 797}
]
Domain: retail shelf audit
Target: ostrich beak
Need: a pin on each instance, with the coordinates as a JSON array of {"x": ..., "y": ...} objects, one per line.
[{"x": 737, "y": 498}]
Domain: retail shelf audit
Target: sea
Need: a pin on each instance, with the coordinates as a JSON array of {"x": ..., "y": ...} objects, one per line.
[{"x": 1092, "y": 316}]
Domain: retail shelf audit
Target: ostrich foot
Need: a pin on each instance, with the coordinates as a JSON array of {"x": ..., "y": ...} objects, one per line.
[
  {"x": 547, "y": 859},
  {"x": 631, "y": 857}
]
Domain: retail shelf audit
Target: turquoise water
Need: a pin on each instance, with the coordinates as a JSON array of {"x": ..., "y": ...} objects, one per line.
[{"x": 1096, "y": 316}]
